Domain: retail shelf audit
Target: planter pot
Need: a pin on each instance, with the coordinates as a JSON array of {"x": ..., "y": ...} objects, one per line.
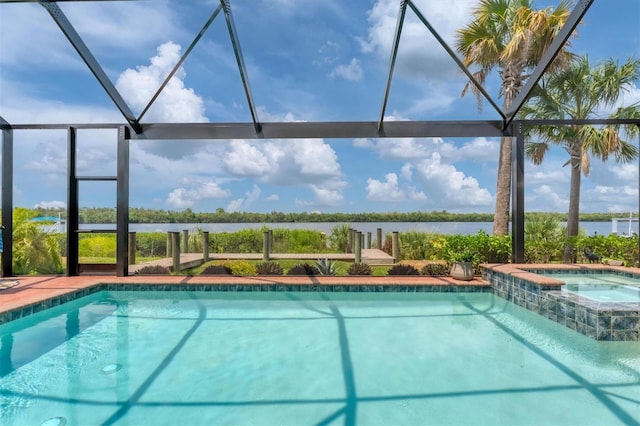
[{"x": 462, "y": 271}]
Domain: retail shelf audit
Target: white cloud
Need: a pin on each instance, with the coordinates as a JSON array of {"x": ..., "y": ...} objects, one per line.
[
  {"x": 283, "y": 162},
  {"x": 176, "y": 103},
  {"x": 53, "y": 204},
  {"x": 272, "y": 197},
  {"x": 545, "y": 198},
  {"x": 243, "y": 204},
  {"x": 449, "y": 187},
  {"x": 351, "y": 72},
  {"x": 324, "y": 198},
  {"x": 387, "y": 191},
  {"x": 625, "y": 172},
  {"x": 419, "y": 53},
  {"x": 187, "y": 197}
]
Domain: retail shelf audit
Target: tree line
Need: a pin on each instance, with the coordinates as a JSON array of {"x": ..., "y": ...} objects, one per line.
[{"x": 144, "y": 215}]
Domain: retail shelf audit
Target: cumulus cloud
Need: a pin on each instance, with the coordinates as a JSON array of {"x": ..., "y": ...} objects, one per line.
[
  {"x": 419, "y": 53},
  {"x": 283, "y": 162},
  {"x": 323, "y": 198},
  {"x": 478, "y": 149},
  {"x": 351, "y": 72},
  {"x": 53, "y": 204},
  {"x": 176, "y": 103},
  {"x": 451, "y": 187},
  {"x": 242, "y": 204},
  {"x": 182, "y": 198},
  {"x": 387, "y": 191},
  {"x": 547, "y": 198}
]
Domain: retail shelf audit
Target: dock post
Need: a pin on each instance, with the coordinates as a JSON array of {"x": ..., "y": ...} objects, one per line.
[
  {"x": 358, "y": 247},
  {"x": 169, "y": 245},
  {"x": 379, "y": 238},
  {"x": 185, "y": 241},
  {"x": 368, "y": 239},
  {"x": 350, "y": 240},
  {"x": 205, "y": 245},
  {"x": 132, "y": 248},
  {"x": 270, "y": 241},
  {"x": 395, "y": 247},
  {"x": 175, "y": 247},
  {"x": 265, "y": 246}
]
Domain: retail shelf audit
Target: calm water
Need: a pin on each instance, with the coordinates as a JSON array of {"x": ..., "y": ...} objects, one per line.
[
  {"x": 606, "y": 287},
  {"x": 591, "y": 228},
  {"x": 135, "y": 358}
]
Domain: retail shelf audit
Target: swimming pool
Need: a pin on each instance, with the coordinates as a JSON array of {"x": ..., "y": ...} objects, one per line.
[
  {"x": 602, "y": 287},
  {"x": 309, "y": 358}
]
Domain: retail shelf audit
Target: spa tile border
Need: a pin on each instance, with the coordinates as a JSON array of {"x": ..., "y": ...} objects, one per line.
[{"x": 606, "y": 321}]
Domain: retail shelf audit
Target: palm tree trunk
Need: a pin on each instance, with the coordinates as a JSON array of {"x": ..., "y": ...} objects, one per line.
[
  {"x": 573, "y": 220},
  {"x": 503, "y": 189}
]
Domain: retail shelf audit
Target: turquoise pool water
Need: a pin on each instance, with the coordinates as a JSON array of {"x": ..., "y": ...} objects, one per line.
[
  {"x": 189, "y": 358},
  {"x": 606, "y": 287}
]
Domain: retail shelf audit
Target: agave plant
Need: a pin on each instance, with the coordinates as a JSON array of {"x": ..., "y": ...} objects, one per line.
[{"x": 326, "y": 266}]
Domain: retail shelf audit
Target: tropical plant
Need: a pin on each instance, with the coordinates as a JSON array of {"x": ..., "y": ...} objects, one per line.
[
  {"x": 359, "y": 269},
  {"x": 153, "y": 270},
  {"x": 303, "y": 269},
  {"x": 579, "y": 92},
  {"x": 544, "y": 238},
  {"x": 269, "y": 268},
  {"x": 403, "y": 269},
  {"x": 34, "y": 251},
  {"x": 339, "y": 238},
  {"x": 326, "y": 266},
  {"x": 510, "y": 36}
]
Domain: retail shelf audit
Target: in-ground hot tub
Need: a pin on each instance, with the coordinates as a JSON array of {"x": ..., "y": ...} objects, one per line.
[{"x": 577, "y": 296}]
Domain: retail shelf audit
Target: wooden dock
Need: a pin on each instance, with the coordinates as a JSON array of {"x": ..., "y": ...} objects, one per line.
[{"x": 192, "y": 260}]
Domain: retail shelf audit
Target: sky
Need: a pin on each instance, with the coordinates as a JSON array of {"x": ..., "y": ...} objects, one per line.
[{"x": 306, "y": 60}]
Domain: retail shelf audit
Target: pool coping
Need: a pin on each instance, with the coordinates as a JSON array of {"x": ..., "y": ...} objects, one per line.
[{"x": 28, "y": 295}]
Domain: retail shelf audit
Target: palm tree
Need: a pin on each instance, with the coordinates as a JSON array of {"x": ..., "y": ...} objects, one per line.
[
  {"x": 510, "y": 36},
  {"x": 579, "y": 92}
]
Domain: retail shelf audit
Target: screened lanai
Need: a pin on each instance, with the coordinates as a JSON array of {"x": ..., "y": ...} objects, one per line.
[{"x": 97, "y": 88}]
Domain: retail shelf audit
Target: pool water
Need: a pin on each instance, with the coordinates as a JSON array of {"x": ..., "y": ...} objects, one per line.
[
  {"x": 606, "y": 287},
  {"x": 189, "y": 358}
]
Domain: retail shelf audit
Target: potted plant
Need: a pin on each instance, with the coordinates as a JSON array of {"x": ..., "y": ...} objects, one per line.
[{"x": 462, "y": 265}]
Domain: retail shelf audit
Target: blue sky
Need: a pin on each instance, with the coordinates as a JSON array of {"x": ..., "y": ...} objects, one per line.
[{"x": 307, "y": 60}]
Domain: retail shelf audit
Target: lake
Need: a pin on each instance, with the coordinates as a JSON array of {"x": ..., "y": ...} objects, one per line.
[{"x": 465, "y": 228}]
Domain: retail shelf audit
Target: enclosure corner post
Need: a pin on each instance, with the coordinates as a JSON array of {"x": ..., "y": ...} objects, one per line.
[
  {"x": 517, "y": 196},
  {"x": 7, "y": 202},
  {"x": 122, "y": 211}
]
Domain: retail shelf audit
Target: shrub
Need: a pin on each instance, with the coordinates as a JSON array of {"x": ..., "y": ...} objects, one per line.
[
  {"x": 326, "y": 267},
  {"x": 303, "y": 269},
  {"x": 402, "y": 269},
  {"x": 153, "y": 270},
  {"x": 387, "y": 247},
  {"x": 269, "y": 268},
  {"x": 217, "y": 270},
  {"x": 151, "y": 244},
  {"x": 359, "y": 269},
  {"x": 438, "y": 269},
  {"x": 339, "y": 238},
  {"x": 241, "y": 267}
]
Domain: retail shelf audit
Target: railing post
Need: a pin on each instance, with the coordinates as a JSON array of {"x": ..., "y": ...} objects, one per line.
[
  {"x": 185, "y": 241},
  {"x": 265, "y": 246},
  {"x": 132, "y": 248},
  {"x": 175, "y": 247},
  {"x": 379, "y": 238},
  {"x": 205, "y": 245},
  {"x": 395, "y": 246},
  {"x": 369, "y": 239},
  {"x": 169, "y": 244},
  {"x": 358, "y": 248}
]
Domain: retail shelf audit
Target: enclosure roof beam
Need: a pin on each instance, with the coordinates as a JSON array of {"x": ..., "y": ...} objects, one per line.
[
  {"x": 88, "y": 58},
  {"x": 457, "y": 60},
  {"x": 392, "y": 62},
  {"x": 182, "y": 59},
  {"x": 235, "y": 42},
  {"x": 552, "y": 51},
  {"x": 4, "y": 124},
  {"x": 321, "y": 130}
]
